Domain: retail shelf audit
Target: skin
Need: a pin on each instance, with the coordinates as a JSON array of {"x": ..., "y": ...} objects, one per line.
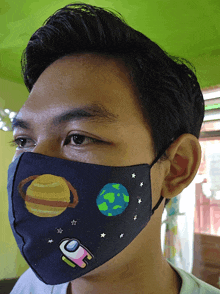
[{"x": 75, "y": 81}]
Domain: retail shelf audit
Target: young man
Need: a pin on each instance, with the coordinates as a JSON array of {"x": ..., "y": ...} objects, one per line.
[{"x": 91, "y": 137}]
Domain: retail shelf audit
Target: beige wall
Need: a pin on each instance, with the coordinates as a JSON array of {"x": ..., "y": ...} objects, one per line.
[{"x": 12, "y": 264}]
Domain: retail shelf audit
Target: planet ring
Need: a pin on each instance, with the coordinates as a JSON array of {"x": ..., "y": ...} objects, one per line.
[{"x": 48, "y": 202}]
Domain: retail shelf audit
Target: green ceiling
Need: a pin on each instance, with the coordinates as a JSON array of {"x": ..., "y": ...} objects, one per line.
[{"x": 185, "y": 28}]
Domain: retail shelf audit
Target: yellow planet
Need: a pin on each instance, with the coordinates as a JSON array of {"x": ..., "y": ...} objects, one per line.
[{"x": 48, "y": 195}]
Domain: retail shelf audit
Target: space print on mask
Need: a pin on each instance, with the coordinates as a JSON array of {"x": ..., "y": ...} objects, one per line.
[{"x": 69, "y": 217}]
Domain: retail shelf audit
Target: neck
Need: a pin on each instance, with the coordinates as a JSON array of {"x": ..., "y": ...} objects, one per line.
[{"x": 131, "y": 279}]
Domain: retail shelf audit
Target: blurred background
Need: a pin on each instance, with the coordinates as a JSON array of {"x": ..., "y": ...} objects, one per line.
[{"x": 190, "y": 231}]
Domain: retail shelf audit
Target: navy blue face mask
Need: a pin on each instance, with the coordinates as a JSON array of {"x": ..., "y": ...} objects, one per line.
[{"x": 69, "y": 218}]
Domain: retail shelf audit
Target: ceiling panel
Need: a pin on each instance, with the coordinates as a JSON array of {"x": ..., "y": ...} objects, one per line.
[{"x": 187, "y": 28}]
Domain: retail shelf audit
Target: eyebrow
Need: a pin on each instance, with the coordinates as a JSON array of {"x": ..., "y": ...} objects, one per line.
[{"x": 93, "y": 113}]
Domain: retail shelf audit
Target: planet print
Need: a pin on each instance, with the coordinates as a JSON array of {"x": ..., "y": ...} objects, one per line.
[
  {"x": 48, "y": 195},
  {"x": 112, "y": 199}
]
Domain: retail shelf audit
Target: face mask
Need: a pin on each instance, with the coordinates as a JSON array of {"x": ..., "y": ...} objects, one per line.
[{"x": 69, "y": 218}]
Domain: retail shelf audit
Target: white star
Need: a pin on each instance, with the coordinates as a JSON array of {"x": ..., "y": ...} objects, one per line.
[
  {"x": 103, "y": 235},
  {"x": 50, "y": 241},
  {"x": 73, "y": 222},
  {"x": 122, "y": 235},
  {"x": 141, "y": 184},
  {"x": 135, "y": 217},
  {"x": 139, "y": 201},
  {"x": 59, "y": 231},
  {"x": 133, "y": 175}
]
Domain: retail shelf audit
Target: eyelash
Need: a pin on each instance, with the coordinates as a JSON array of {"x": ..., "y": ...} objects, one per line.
[{"x": 15, "y": 141}]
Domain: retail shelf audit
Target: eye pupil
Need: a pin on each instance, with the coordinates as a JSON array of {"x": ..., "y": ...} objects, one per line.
[
  {"x": 78, "y": 139},
  {"x": 21, "y": 142}
]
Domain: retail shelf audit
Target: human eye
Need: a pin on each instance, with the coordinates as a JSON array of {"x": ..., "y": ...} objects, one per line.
[
  {"x": 18, "y": 141},
  {"x": 78, "y": 138}
]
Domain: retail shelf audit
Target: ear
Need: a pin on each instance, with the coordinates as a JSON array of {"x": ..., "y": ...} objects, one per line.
[{"x": 184, "y": 157}]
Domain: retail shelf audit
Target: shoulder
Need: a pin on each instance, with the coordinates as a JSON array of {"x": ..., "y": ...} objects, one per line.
[
  {"x": 193, "y": 285},
  {"x": 28, "y": 283}
]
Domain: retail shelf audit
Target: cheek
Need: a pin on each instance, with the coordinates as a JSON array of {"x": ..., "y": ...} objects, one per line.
[
  {"x": 13, "y": 158},
  {"x": 133, "y": 152},
  {"x": 156, "y": 184}
]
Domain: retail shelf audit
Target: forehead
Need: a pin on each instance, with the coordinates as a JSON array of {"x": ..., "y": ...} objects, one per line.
[{"x": 78, "y": 80}]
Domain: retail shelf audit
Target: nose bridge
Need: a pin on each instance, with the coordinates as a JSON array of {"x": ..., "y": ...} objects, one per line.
[{"x": 49, "y": 145}]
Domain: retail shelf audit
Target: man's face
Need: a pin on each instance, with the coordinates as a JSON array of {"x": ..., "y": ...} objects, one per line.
[{"x": 81, "y": 81}]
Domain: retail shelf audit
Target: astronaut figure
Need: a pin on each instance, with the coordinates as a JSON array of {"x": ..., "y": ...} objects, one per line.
[{"x": 75, "y": 252}]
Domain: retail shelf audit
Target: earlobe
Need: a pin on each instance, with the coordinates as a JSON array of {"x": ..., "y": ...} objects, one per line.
[{"x": 183, "y": 163}]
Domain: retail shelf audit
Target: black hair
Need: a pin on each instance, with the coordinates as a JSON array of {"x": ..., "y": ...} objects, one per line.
[{"x": 170, "y": 96}]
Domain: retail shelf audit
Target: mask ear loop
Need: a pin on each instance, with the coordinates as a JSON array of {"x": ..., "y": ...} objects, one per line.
[{"x": 155, "y": 160}]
